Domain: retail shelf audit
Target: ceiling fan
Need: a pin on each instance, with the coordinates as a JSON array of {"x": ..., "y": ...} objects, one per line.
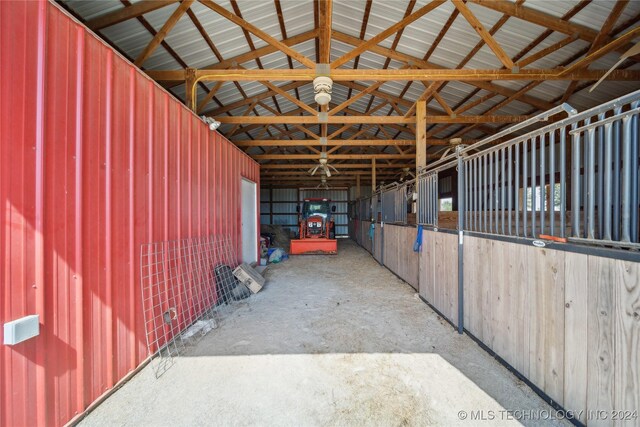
[{"x": 324, "y": 167}]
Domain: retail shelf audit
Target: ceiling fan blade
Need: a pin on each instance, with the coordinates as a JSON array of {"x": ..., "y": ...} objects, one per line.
[
  {"x": 336, "y": 170},
  {"x": 635, "y": 50},
  {"x": 315, "y": 170}
]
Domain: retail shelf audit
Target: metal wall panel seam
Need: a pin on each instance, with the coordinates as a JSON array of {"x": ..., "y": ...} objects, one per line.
[{"x": 41, "y": 398}]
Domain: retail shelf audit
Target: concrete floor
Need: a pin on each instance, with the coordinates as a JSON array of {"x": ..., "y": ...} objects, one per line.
[{"x": 330, "y": 340}]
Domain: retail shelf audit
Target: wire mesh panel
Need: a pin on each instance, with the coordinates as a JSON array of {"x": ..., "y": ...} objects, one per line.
[
  {"x": 188, "y": 286},
  {"x": 428, "y": 199}
]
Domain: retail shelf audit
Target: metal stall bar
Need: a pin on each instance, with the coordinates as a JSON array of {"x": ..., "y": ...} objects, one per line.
[{"x": 552, "y": 182}]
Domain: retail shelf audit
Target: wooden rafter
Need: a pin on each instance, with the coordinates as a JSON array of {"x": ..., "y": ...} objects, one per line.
[
  {"x": 369, "y": 119},
  {"x": 164, "y": 31},
  {"x": 541, "y": 18},
  {"x": 483, "y": 33},
  {"x": 129, "y": 12},
  {"x": 386, "y": 33},
  {"x": 417, "y": 62},
  {"x": 258, "y": 33}
]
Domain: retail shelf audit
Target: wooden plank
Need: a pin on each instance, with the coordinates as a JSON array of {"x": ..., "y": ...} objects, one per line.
[
  {"x": 601, "y": 337},
  {"x": 627, "y": 337},
  {"x": 129, "y": 12},
  {"x": 427, "y": 266},
  {"x": 546, "y": 332},
  {"x": 575, "y": 332}
]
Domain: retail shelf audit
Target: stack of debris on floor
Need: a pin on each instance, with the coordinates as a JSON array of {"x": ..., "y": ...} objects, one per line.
[{"x": 273, "y": 238}]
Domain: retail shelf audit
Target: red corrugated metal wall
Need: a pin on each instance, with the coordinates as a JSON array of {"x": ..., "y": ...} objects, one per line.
[{"x": 95, "y": 160}]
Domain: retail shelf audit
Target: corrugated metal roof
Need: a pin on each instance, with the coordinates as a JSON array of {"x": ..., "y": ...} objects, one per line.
[{"x": 515, "y": 34}]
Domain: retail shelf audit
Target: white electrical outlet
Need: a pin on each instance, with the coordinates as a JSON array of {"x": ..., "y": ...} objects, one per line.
[{"x": 21, "y": 329}]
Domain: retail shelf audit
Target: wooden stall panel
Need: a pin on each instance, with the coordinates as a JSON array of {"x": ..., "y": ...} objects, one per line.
[
  {"x": 391, "y": 248},
  {"x": 426, "y": 269},
  {"x": 575, "y": 332},
  {"x": 446, "y": 275},
  {"x": 377, "y": 243},
  {"x": 408, "y": 260},
  {"x": 626, "y": 393}
]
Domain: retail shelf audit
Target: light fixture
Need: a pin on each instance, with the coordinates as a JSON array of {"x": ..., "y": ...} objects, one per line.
[
  {"x": 322, "y": 86},
  {"x": 213, "y": 123}
]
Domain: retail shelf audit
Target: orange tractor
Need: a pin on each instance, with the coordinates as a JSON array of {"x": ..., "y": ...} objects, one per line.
[{"x": 317, "y": 229}]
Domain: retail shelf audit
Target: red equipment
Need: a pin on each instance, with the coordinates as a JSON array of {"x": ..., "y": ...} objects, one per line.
[{"x": 317, "y": 229}]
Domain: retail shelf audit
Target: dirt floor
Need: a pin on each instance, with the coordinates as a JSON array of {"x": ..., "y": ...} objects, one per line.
[{"x": 330, "y": 340}]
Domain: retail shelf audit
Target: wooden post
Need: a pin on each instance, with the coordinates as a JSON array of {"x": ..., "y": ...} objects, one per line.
[
  {"x": 373, "y": 175},
  {"x": 358, "y": 185},
  {"x": 421, "y": 135},
  {"x": 190, "y": 82}
]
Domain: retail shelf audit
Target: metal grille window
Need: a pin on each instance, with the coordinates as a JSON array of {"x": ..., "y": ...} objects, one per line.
[{"x": 428, "y": 199}]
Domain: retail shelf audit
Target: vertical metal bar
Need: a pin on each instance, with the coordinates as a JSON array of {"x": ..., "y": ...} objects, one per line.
[
  {"x": 625, "y": 231},
  {"x": 525, "y": 186},
  {"x": 606, "y": 166},
  {"x": 575, "y": 183},
  {"x": 600, "y": 175},
  {"x": 496, "y": 186},
  {"x": 460, "y": 246},
  {"x": 484, "y": 192},
  {"x": 534, "y": 193},
  {"x": 563, "y": 182},
  {"x": 490, "y": 155},
  {"x": 476, "y": 195},
  {"x": 585, "y": 184},
  {"x": 590, "y": 175},
  {"x": 616, "y": 176},
  {"x": 634, "y": 174},
  {"x": 552, "y": 183},
  {"x": 503, "y": 180},
  {"x": 543, "y": 190},
  {"x": 509, "y": 188}
]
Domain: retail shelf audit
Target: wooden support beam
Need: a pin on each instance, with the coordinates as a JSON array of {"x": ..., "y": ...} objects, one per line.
[
  {"x": 160, "y": 35},
  {"x": 354, "y": 41},
  {"x": 544, "y": 52},
  {"x": 259, "y": 33},
  {"x": 373, "y": 174},
  {"x": 129, "y": 12},
  {"x": 386, "y": 33},
  {"x": 421, "y": 135},
  {"x": 346, "y": 75},
  {"x": 331, "y": 156},
  {"x": 209, "y": 96},
  {"x": 333, "y": 142},
  {"x": 369, "y": 119},
  {"x": 483, "y": 33},
  {"x": 324, "y": 36},
  {"x": 541, "y": 18},
  {"x": 353, "y": 99},
  {"x": 339, "y": 166},
  {"x": 259, "y": 96},
  {"x": 189, "y": 85}
]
